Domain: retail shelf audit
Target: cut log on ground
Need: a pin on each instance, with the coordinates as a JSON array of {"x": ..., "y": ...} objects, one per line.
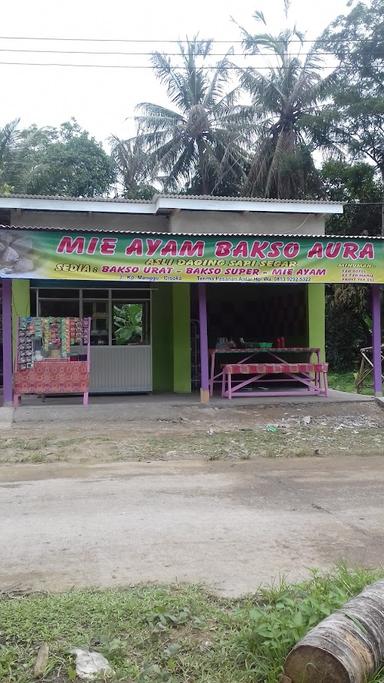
[
  {"x": 347, "y": 647},
  {"x": 41, "y": 661}
]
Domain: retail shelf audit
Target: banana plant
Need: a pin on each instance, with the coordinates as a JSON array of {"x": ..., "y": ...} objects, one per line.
[{"x": 128, "y": 323}]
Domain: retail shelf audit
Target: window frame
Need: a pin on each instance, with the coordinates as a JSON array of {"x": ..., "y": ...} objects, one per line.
[{"x": 145, "y": 299}]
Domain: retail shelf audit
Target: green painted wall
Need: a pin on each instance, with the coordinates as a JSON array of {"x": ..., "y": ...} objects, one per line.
[
  {"x": 162, "y": 356},
  {"x": 316, "y": 317},
  {"x": 181, "y": 314},
  {"x": 20, "y": 304},
  {"x": 171, "y": 343}
]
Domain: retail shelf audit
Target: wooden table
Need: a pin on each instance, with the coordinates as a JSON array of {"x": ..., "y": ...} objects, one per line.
[
  {"x": 249, "y": 353},
  {"x": 61, "y": 376}
]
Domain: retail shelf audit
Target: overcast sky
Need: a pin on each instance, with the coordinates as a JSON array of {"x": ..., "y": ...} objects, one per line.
[{"x": 102, "y": 99}]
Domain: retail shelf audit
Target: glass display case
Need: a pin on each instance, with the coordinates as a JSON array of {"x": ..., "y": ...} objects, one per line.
[{"x": 52, "y": 356}]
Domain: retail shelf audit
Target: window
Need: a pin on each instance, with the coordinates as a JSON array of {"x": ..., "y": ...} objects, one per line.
[
  {"x": 62, "y": 293},
  {"x": 98, "y": 311},
  {"x": 60, "y": 308},
  {"x": 93, "y": 294},
  {"x": 119, "y": 316}
]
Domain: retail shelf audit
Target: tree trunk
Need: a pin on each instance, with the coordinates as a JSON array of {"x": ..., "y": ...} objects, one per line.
[
  {"x": 202, "y": 169},
  {"x": 347, "y": 647}
]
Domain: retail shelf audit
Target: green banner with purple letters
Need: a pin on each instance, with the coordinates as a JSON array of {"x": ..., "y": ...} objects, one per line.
[{"x": 77, "y": 255}]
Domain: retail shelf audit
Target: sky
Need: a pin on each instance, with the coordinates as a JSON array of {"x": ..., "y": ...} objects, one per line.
[{"x": 103, "y": 99}]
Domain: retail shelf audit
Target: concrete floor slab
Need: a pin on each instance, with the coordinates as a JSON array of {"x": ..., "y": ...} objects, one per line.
[
  {"x": 154, "y": 406},
  {"x": 6, "y": 417}
]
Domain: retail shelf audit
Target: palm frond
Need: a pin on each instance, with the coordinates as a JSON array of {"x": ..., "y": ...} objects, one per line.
[
  {"x": 150, "y": 109},
  {"x": 171, "y": 78},
  {"x": 217, "y": 87},
  {"x": 181, "y": 168},
  {"x": 259, "y": 16}
]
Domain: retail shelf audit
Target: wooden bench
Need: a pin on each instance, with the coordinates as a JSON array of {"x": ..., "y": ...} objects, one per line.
[{"x": 313, "y": 376}]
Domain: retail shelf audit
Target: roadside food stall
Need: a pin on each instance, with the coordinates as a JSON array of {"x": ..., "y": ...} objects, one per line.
[{"x": 142, "y": 290}]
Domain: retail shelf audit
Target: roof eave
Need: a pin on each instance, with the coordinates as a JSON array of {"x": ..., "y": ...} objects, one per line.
[
  {"x": 73, "y": 205},
  {"x": 245, "y": 205},
  {"x": 168, "y": 203}
]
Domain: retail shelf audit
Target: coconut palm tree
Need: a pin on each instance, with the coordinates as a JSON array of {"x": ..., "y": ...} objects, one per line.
[
  {"x": 196, "y": 145},
  {"x": 285, "y": 96},
  {"x": 133, "y": 167}
]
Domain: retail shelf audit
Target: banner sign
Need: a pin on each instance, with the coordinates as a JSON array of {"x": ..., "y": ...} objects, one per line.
[{"x": 55, "y": 254}]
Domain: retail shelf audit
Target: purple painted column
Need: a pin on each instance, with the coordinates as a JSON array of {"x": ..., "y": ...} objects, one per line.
[
  {"x": 204, "y": 357},
  {"x": 376, "y": 340},
  {"x": 7, "y": 340}
]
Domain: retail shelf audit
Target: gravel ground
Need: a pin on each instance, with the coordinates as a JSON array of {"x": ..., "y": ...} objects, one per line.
[{"x": 229, "y": 432}]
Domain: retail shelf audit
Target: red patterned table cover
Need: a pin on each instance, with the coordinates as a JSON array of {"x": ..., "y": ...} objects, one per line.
[
  {"x": 53, "y": 376},
  {"x": 249, "y": 354},
  {"x": 312, "y": 375},
  {"x": 268, "y": 349},
  {"x": 268, "y": 368}
]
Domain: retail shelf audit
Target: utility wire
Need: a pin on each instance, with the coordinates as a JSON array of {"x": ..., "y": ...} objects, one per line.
[
  {"x": 167, "y": 54},
  {"x": 162, "y": 41},
  {"x": 145, "y": 66}
]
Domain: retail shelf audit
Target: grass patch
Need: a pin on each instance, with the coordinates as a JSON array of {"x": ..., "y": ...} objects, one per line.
[
  {"x": 322, "y": 437},
  {"x": 33, "y": 449},
  {"x": 345, "y": 381},
  {"x": 170, "y": 634}
]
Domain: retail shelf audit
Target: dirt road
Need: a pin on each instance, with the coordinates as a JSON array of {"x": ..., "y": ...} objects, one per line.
[{"x": 229, "y": 525}]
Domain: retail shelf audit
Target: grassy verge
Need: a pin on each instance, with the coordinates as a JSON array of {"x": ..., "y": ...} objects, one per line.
[
  {"x": 345, "y": 381},
  {"x": 320, "y": 438},
  {"x": 169, "y": 635}
]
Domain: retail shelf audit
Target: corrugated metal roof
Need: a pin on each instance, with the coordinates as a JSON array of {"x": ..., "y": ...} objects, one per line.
[
  {"x": 112, "y": 200},
  {"x": 123, "y": 200},
  {"x": 150, "y": 233},
  {"x": 244, "y": 199}
]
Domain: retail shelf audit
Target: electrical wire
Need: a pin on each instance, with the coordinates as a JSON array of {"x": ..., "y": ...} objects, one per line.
[
  {"x": 163, "y": 41},
  {"x": 143, "y": 53},
  {"x": 150, "y": 54},
  {"x": 146, "y": 66}
]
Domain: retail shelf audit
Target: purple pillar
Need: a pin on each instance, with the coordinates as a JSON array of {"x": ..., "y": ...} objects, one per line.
[
  {"x": 376, "y": 340},
  {"x": 204, "y": 358},
  {"x": 7, "y": 340}
]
